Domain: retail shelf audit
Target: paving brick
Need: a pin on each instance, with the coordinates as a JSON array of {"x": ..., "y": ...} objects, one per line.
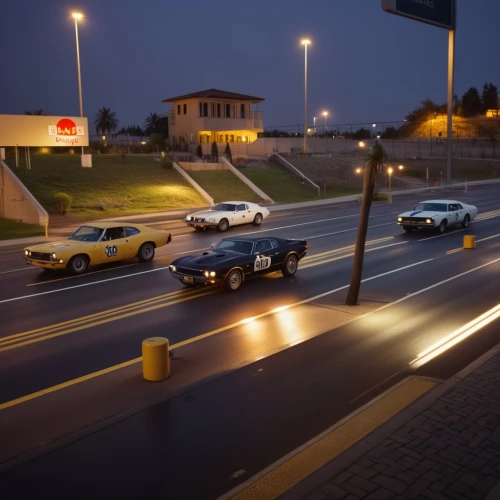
[
  {"x": 395, "y": 455},
  {"x": 365, "y": 462},
  {"x": 409, "y": 452},
  {"x": 333, "y": 491},
  {"x": 408, "y": 462},
  {"x": 420, "y": 434},
  {"x": 341, "y": 478},
  {"x": 477, "y": 463},
  {"x": 380, "y": 494},
  {"x": 354, "y": 489},
  {"x": 386, "y": 469},
  {"x": 431, "y": 476},
  {"x": 355, "y": 469},
  {"x": 415, "y": 490},
  {"x": 470, "y": 478},
  {"x": 363, "y": 483},
  {"x": 404, "y": 478},
  {"x": 467, "y": 491},
  {"x": 390, "y": 483},
  {"x": 401, "y": 439},
  {"x": 317, "y": 495},
  {"x": 427, "y": 464},
  {"x": 351, "y": 497},
  {"x": 368, "y": 473},
  {"x": 433, "y": 495},
  {"x": 487, "y": 484}
]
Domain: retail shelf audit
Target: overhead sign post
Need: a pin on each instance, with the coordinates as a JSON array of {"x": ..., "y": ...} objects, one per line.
[{"x": 443, "y": 14}]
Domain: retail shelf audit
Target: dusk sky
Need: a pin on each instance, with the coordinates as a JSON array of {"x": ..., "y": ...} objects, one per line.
[{"x": 364, "y": 65}]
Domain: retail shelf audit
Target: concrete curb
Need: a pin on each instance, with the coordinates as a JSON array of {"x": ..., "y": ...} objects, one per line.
[{"x": 343, "y": 461}]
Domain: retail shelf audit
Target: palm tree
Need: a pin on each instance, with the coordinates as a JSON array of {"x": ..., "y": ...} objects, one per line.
[
  {"x": 375, "y": 160},
  {"x": 37, "y": 112},
  {"x": 105, "y": 121},
  {"x": 151, "y": 123}
]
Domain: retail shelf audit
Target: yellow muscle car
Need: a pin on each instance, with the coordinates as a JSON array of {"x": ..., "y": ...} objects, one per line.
[{"x": 98, "y": 243}]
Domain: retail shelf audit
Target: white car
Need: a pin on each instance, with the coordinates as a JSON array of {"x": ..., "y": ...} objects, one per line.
[
  {"x": 438, "y": 214},
  {"x": 227, "y": 214}
]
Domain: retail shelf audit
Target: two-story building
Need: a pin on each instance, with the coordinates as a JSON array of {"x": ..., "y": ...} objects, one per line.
[{"x": 214, "y": 115}]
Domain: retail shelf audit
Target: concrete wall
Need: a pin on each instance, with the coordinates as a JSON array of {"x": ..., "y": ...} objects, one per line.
[
  {"x": 194, "y": 184},
  {"x": 296, "y": 172},
  {"x": 17, "y": 203},
  {"x": 201, "y": 166}
]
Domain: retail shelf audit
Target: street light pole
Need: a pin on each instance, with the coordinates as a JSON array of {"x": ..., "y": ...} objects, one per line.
[
  {"x": 314, "y": 123},
  {"x": 305, "y": 43},
  {"x": 77, "y": 16},
  {"x": 389, "y": 196},
  {"x": 325, "y": 114}
]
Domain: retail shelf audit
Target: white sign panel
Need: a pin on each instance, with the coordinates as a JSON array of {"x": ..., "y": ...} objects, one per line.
[{"x": 43, "y": 131}]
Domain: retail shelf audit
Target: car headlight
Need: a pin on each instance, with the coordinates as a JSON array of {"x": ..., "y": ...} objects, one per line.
[
  {"x": 429, "y": 221},
  {"x": 26, "y": 252},
  {"x": 209, "y": 274},
  {"x": 400, "y": 219},
  {"x": 54, "y": 256},
  {"x": 211, "y": 220},
  {"x": 173, "y": 268},
  {"x": 188, "y": 218}
]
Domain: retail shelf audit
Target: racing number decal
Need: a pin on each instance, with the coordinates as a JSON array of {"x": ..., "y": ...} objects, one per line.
[
  {"x": 262, "y": 263},
  {"x": 111, "y": 251}
]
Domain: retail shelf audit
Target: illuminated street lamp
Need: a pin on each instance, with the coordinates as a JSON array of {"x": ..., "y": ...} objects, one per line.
[
  {"x": 77, "y": 16},
  {"x": 389, "y": 196},
  {"x": 361, "y": 144},
  {"x": 314, "y": 124},
  {"x": 305, "y": 42},
  {"x": 325, "y": 114}
]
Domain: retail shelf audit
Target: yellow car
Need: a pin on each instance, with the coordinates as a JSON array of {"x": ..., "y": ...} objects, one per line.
[{"x": 98, "y": 243}]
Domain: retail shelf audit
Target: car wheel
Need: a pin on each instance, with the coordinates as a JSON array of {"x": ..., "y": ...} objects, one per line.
[
  {"x": 466, "y": 221},
  {"x": 257, "y": 221},
  {"x": 146, "y": 252},
  {"x": 223, "y": 225},
  {"x": 233, "y": 281},
  {"x": 290, "y": 265},
  {"x": 442, "y": 226},
  {"x": 78, "y": 264},
  {"x": 408, "y": 229}
]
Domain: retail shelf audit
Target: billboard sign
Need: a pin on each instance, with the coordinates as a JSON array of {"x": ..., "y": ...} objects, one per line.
[
  {"x": 441, "y": 13},
  {"x": 43, "y": 131}
]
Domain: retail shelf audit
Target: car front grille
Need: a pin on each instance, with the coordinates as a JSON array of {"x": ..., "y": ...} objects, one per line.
[
  {"x": 40, "y": 256},
  {"x": 199, "y": 219},
  {"x": 414, "y": 220},
  {"x": 189, "y": 272}
]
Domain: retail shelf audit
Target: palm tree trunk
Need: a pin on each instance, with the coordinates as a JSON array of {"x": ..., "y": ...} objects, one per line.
[{"x": 370, "y": 174}]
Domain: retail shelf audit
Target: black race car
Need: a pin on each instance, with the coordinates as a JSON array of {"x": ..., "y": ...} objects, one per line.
[{"x": 234, "y": 260}]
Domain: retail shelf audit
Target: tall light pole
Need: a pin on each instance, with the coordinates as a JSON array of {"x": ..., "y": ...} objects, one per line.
[
  {"x": 314, "y": 123},
  {"x": 77, "y": 16},
  {"x": 325, "y": 114},
  {"x": 305, "y": 42},
  {"x": 389, "y": 197}
]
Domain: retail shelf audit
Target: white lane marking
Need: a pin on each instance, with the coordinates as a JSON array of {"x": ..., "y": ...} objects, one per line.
[
  {"x": 15, "y": 270},
  {"x": 340, "y": 232},
  {"x": 83, "y": 285}
]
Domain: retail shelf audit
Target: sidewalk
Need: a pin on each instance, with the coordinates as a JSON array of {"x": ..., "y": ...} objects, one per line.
[{"x": 445, "y": 446}]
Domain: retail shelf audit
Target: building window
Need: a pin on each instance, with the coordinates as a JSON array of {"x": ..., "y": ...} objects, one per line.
[
  {"x": 205, "y": 109},
  {"x": 218, "y": 110},
  {"x": 178, "y": 109},
  {"x": 242, "y": 111},
  {"x": 228, "y": 110},
  {"x": 227, "y": 138},
  {"x": 231, "y": 138},
  {"x": 185, "y": 109},
  {"x": 212, "y": 107},
  {"x": 201, "y": 109}
]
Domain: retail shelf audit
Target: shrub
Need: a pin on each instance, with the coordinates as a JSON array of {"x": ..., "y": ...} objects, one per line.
[
  {"x": 199, "y": 151},
  {"x": 228, "y": 153},
  {"x": 63, "y": 202},
  {"x": 167, "y": 163}
]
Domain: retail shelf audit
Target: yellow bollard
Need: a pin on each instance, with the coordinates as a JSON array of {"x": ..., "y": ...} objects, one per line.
[
  {"x": 469, "y": 241},
  {"x": 155, "y": 359}
]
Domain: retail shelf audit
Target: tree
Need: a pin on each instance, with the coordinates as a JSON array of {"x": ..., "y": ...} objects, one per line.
[
  {"x": 471, "y": 103},
  {"x": 199, "y": 151},
  {"x": 37, "y": 112},
  {"x": 133, "y": 130},
  {"x": 106, "y": 121},
  {"x": 215, "y": 151},
  {"x": 156, "y": 124},
  {"x": 375, "y": 160},
  {"x": 489, "y": 97},
  {"x": 228, "y": 153},
  {"x": 158, "y": 141},
  {"x": 425, "y": 111}
]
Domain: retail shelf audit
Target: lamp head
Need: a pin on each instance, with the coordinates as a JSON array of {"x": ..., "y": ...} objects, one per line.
[{"x": 77, "y": 15}]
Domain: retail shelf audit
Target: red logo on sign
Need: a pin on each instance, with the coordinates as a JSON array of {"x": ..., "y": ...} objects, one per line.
[{"x": 66, "y": 127}]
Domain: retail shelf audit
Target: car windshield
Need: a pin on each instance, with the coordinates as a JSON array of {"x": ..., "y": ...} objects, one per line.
[
  {"x": 236, "y": 246},
  {"x": 224, "y": 207},
  {"x": 432, "y": 207},
  {"x": 87, "y": 233}
]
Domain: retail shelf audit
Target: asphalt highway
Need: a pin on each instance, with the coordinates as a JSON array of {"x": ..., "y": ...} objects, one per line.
[{"x": 290, "y": 367}]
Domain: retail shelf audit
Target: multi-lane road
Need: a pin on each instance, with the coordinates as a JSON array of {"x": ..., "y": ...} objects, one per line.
[{"x": 255, "y": 373}]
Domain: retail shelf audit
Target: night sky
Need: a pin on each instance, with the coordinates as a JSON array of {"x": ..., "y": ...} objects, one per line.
[{"x": 364, "y": 65}]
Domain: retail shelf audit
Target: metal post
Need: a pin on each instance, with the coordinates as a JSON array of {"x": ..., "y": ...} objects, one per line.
[
  {"x": 427, "y": 173},
  {"x": 451, "y": 62},
  {"x": 79, "y": 72},
  {"x": 305, "y": 97}
]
